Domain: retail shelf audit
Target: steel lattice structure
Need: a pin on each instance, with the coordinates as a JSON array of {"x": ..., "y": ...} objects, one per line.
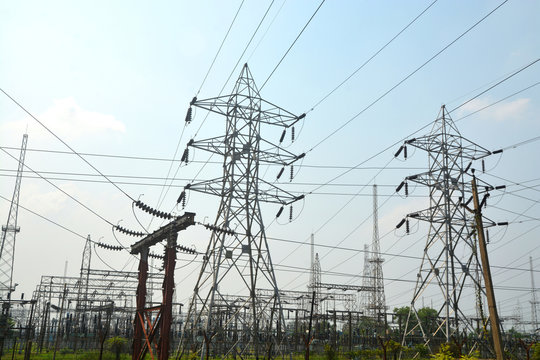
[
  {"x": 315, "y": 276},
  {"x": 376, "y": 306},
  {"x": 7, "y": 247},
  {"x": 450, "y": 257},
  {"x": 366, "y": 280},
  {"x": 84, "y": 300},
  {"x": 241, "y": 259}
]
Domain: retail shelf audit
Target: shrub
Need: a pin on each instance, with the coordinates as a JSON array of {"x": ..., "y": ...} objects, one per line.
[
  {"x": 535, "y": 351},
  {"x": 444, "y": 353},
  {"x": 117, "y": 345},
  {"x": 421, "y": 349},
  {"x": 474, "y": 356}
]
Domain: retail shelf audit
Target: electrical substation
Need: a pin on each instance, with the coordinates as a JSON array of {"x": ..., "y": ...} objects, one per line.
[{"x": 247, "y": 250}]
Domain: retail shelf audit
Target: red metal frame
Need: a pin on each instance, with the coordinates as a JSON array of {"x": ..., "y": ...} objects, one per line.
[{"x": 144, "y": 328}]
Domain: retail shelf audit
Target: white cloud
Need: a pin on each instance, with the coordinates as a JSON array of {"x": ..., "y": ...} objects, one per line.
[
  {"x": 505, "y": 111},
  {"x": 67, "y": 120}
]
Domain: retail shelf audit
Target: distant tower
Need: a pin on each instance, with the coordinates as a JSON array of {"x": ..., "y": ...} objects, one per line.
[
  {"x": 517, "y": 317},
  {"x": 7, "y": 248},
  {"x": 534, "y": 301},
  {"x": 315, "y": 276},
  {"x": 377, "y": 300},
  {"x": 366, "y": 282}
]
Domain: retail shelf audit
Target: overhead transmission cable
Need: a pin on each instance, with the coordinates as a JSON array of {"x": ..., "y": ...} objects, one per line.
[
  {"x": 336, "y": 247},
  {"x": 220, "y": 46},
  {"x": 143, "y": 158},
  {"x": 59, "y": 189},
  {"x": 417, "y": 131},
  {"x": 266, "y": 31},
  {"x": 497, "y": 84},
  {"x": 377, "y": 154},
  {"x": 339, "y": 128},
  {"x": 294, "y": 42},
  {"x": 63, "y": 142},
  {"x": 498, "y": 101},
  {"x": 371, "y": 58},
  {"x": 237, "y": 62},
  {"x": 228, "y": 78},
  {"x": 162, "y": 196},
  {"x": 160, "y": 199},
  {"x": 333, "y": 215},
  {"x": 49, "y": 220}
]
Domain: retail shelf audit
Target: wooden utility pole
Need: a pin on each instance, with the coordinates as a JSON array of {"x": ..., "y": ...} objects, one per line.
[{"x": 494, "y": 318}]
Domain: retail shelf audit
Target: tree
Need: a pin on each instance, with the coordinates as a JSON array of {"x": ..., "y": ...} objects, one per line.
[
  {"x": 427, "y": 316},
  {"x": 117, "y": 344}
]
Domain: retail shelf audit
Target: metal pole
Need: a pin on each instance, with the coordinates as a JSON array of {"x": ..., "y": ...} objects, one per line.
[
  {"x": 494, "y": 318},
  {"x": 56, "y": 343},
  {"x": 168, "y": 289},
  {"x": 308, "y": 339},
  {"x": 28, "y": 346},
  {"x": 141, "y": 301}
]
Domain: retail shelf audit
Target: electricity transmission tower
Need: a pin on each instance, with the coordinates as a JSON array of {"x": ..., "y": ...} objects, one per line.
[
  {"x": 376, "y": 303},
  {"x": 534, "y": 301},
  {"x": 450, "y": 256},
  {"x": 366, "y": 282},
  {"x": 7, "y": 248},
  {"x": 315, "y": 276},
  {"x": 237, "y": 259}
]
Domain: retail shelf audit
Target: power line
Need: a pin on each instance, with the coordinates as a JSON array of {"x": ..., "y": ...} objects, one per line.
[
  {"x": 266, "y": 31},
  {"x": 498, "y": 101},
  {"x": 128, "y": 157},
  {"x": 49, "y": 220},
  {"x": 220, "y": 46},
  {"x": 64, "y": 192},
  {"x": 160, "y": 199},
  {"x": 294, "y": 42},
  {"x": 407, "y": 77},
  {"x": 246, "y": 47},
  {"x": 372, "y": 57},
  {"x": 525, "y": 142},
  {"x": 393, "y": 255},
  {"x": 326, "y": 193},
  {"x": 176, "y": 179},
  {"x": 63, "y": 142},
  {"x": 497, "y": 83},
  {"x": 184, "y": 179}
]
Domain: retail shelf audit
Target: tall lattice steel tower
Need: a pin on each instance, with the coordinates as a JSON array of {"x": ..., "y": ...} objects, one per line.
[
  {"x": 315, "y": 276},
  {"x": 9, "y": 232},
  {"x": 533, "y": 301},
  {"x": 450, "y": 258},
  {"x": 240, "y": 263},
  {"x": 366, "y": 282},
  {"x": 377, "y": 301}
]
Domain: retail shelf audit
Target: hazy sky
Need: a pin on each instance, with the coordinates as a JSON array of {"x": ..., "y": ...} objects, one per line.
[{"x": 116, "y": 78}]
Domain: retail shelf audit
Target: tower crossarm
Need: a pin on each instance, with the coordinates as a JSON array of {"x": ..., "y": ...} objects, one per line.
[
  {"x": 272, "y": 194},
  {"x": 435, "y": 216},
  {"x": 345, "y": 287},
  {"x": 270, "y": 154},
  {"x": 246, "y": 104},
  {"x": 454, "y": 143}
]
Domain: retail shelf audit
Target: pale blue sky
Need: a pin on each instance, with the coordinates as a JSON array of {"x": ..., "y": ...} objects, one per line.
[{"x": 117, "y": 78}]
